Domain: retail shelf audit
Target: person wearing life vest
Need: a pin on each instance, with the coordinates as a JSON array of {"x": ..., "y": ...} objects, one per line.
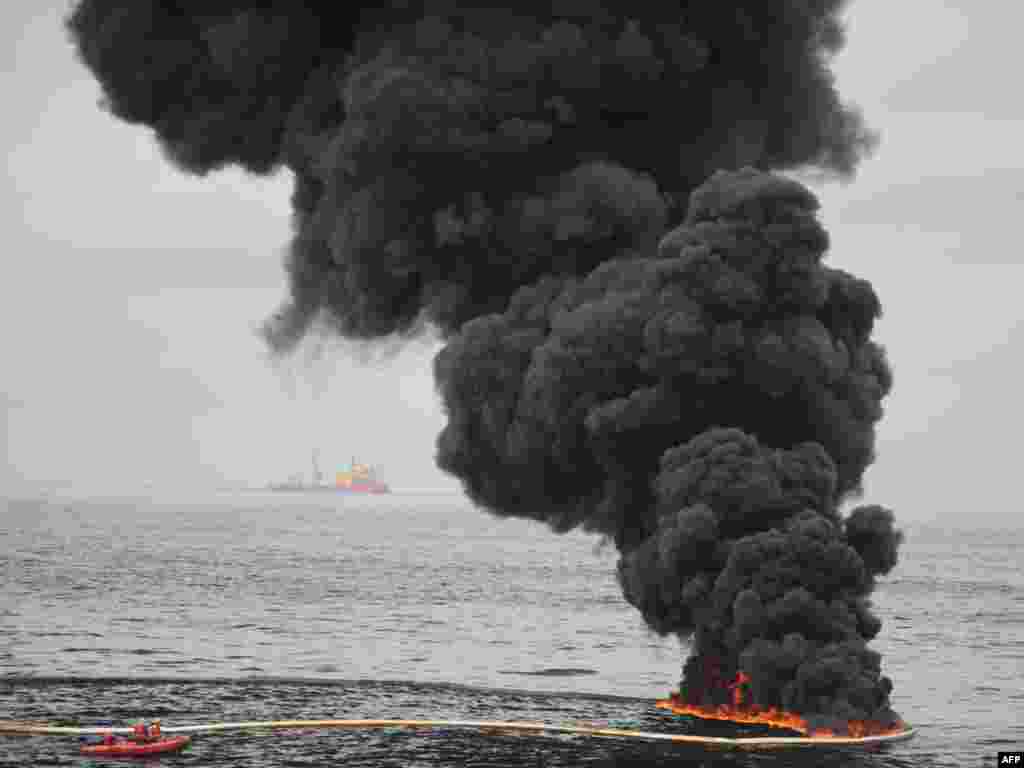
[
  {"x": 154, "y": 729},
  {"x": 140, "y": 733}
]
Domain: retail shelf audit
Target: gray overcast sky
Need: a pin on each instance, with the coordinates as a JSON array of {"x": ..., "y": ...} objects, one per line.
[{"x": 131, "y": 292}]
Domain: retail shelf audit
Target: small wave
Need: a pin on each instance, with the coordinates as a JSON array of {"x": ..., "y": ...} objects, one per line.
[
  {"x": 551, "y": 672},
  {"x": 150, "y": 652}
]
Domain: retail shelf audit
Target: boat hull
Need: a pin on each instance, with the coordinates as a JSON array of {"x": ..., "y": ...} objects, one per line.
[{"x": 137, "y": 748}]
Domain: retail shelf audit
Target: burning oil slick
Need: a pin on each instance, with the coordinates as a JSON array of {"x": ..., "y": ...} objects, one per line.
[{"x": 641, "y": 337}]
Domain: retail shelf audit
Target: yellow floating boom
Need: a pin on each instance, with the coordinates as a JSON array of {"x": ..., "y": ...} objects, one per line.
[{"x": 483, "y": 726}]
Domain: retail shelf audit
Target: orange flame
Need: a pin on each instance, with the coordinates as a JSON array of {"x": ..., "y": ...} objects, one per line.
[{"x": 738, "y": 712}]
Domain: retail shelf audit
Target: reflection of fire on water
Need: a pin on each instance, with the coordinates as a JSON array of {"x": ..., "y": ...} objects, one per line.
[{"x": 740, "y": 712}]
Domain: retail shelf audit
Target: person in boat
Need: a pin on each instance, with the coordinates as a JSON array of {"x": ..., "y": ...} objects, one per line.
[
  {"x": 143, "y": 733},
  {"x": 107, "y": 738}
]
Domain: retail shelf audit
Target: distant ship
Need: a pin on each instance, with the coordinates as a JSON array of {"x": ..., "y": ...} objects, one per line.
[{"x": 358, "y": 478}]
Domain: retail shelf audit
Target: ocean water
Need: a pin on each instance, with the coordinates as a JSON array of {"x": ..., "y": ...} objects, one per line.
[{"x": 273, "y": 606}]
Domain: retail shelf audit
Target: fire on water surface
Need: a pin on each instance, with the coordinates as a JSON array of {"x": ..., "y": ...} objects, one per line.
[{"x": 740, "y": 712}]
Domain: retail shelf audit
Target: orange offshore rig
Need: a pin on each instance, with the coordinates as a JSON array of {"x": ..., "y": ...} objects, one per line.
[{"x": 358, "y": 478}]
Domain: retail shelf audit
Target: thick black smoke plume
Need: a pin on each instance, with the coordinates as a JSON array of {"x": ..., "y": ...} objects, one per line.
[{"x": 704, "y": 396}]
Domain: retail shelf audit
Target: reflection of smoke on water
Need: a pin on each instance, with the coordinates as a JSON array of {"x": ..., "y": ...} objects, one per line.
[{"x": 633, "y": 347}]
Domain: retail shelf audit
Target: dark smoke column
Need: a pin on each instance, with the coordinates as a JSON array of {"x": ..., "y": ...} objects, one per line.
[{"x": 633, "y": 347}]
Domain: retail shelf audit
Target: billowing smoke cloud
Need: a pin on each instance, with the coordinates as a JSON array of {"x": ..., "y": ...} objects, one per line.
[{"x": 633, "y": 347}]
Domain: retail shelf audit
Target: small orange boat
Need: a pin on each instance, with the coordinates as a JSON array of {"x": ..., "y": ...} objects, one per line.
[{"x": 126, "y": 748}]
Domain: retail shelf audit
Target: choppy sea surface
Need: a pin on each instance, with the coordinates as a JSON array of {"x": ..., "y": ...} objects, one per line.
[{"x": 259, "y": 606}]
